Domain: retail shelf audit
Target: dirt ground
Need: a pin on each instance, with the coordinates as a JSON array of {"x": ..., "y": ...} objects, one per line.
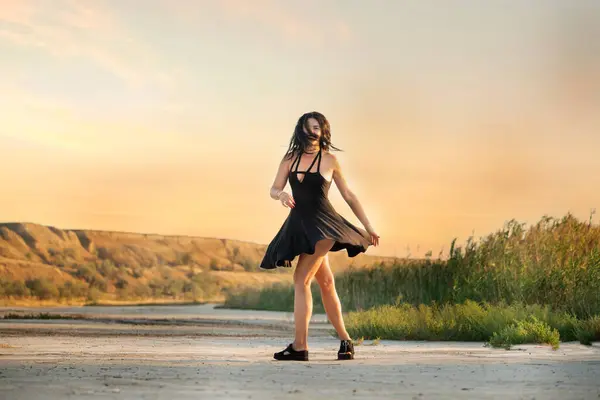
[{"x": 231, "y": 358}]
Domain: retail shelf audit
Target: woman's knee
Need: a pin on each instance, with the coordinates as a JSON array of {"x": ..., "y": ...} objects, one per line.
[
  {"x": 302, "y": 281},
  {"x": 324, "y": 276},
  {"x": 326, "y": 282}
]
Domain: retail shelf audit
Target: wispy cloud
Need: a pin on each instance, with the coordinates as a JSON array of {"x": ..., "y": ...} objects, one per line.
[
  {"x": 57, "y": 125},
  {"x": 308, "y": 23},
  {"x": 303, "y": 24},
  {"x": 16, "y": 11},
  {"x": 71, "y": 29}
]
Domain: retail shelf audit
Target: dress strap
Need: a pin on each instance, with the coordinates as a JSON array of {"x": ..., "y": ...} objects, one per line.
[
  {"x": 319, "y": 163},
  {"x": 313, "y": 161},
  {"x": 296, "y": 163}
]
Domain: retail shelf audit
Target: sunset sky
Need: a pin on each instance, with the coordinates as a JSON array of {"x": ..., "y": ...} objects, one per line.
[{"x": 172, "y": 116}]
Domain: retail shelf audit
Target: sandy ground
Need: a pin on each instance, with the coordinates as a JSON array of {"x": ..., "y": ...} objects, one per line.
[{"x": 200, "y": 353}]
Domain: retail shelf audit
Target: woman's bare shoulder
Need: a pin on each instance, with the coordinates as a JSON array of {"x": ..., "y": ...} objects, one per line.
[
  {"x": 287, "y": 155},
  {"x": 287, "y": 158},
  {"x": 330, "y": 157}
]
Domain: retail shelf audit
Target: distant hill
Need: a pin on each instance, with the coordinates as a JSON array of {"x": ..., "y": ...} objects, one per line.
[{"x": 133, "y": 265}]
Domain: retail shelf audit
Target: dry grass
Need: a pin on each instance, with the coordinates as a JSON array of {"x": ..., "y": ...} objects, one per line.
[
  {"x": 213, "y": 287},
  {"x": 35, "y": 302},
  {"x": 46, "y": 266},
  {"x": 26, "y": 246}
]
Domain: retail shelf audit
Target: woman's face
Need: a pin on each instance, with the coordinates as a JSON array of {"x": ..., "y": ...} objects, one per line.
[{"x": 312, "y": 129}]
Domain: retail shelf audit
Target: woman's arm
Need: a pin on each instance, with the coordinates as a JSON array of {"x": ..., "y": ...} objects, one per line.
[
  {"x": 352, "y": 200},
  {"x": 281, "y": 178}
]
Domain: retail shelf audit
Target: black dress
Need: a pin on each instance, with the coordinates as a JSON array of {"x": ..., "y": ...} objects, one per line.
[{"x": 311, "y": 219}]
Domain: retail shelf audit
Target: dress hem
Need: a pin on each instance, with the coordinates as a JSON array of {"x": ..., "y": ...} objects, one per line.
[{"x": 337, "y": 246}]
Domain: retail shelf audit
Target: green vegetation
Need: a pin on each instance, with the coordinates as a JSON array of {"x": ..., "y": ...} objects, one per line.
[
  {"x": 42, "y": 316},
  {"x": 277, "y": 297},
  {"x": 554, "y": 265},
  {"x": 499, "y": 325}
]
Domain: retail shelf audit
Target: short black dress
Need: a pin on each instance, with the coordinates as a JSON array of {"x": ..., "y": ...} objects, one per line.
[{"x": 313, "y": 218}]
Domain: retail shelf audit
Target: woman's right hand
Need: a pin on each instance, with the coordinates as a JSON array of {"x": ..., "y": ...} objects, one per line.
[
  {"x": 374, "y": 236},
  {"x": 286, "y": 199}
]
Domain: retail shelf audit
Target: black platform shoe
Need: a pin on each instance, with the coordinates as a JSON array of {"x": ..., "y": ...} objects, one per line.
[
  {"x": 346, "y": 351},
  {"x": 289, "y": 354}
]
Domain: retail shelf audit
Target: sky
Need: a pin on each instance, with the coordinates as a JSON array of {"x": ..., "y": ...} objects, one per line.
[{"x": 171, "y": 117}]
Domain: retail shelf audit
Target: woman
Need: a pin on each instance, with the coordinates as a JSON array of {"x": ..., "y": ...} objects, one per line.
[{"x": 313, "y": 228}]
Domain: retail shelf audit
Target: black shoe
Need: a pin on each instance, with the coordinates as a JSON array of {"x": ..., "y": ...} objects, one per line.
[
  {"x": 289, "y": 354},
  {"x": 346, "y": 351}
]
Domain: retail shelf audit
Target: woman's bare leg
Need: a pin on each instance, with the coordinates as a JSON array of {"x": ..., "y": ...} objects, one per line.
[
  {"x": 303, "y": 303},
  {"x": 331, "y": 301}
]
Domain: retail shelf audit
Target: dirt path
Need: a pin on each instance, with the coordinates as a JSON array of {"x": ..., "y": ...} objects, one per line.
[{"x": 87, "y": 359}]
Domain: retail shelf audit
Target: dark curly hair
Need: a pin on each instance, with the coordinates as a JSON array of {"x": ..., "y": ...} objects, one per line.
[{"x": 299, "y": 141}]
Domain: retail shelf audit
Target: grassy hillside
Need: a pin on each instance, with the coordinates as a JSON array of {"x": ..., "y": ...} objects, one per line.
[{"x": 45, "y": 263}]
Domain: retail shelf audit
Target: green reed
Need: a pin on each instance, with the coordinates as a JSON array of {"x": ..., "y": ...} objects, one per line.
[{"x": 555, "y": 262}]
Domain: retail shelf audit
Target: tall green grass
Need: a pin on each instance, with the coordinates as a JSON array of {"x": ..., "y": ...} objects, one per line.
[
  {"x": 277, "y": 297},
  {"x": 555, "y": 263}
]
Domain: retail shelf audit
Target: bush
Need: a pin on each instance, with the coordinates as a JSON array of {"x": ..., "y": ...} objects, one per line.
[
  {"x": 10, "y": 288},
  {"x": 42, "y": 288},
  {"x": 93, "y": 295},
  {"x": 527, "y": 331},
  {"x": 73, "y": 289},
  {"x": 588, "y": 331}
]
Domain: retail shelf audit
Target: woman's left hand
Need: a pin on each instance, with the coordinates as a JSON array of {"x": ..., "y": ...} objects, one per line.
[{"x": 374, "y": 236}]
